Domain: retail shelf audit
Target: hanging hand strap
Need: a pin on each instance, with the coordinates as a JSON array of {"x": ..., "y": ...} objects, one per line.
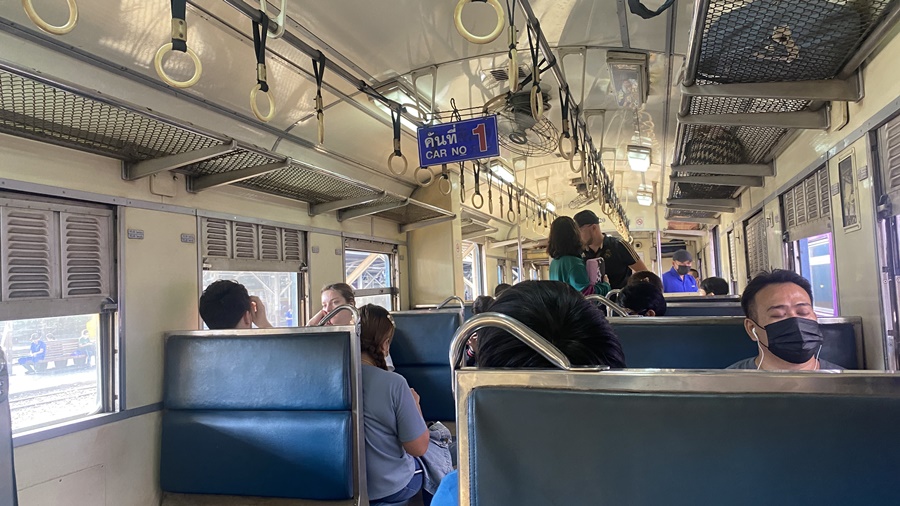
[
  {"x": 454, "y": 113},
  {"x": 513, "y": 69},
  {"x": 395, "y": 120},
  {"x": 479, "y": 202},
  {"x": 318, "y": 64},
  {"x": 641, "y": 10},
  {"x": 260, "y": 34},
  {"x": 537, "y": 98},
  {"x": 179, "y": 26},
  {"x": 462, "y": 182},
  {"x": 490, "y": 195}
]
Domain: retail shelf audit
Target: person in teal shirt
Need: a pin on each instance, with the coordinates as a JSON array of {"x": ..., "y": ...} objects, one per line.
[{"x": 567, "y": 266}]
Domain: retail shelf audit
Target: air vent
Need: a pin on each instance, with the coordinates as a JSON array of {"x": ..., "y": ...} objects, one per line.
[
  {"x": 245, "y": 242},
  {"x": 292, "y": 245},
  {"x": 269, "y": 243},
  {"x": 216, "y": 238},
  {"x": 500, "y": 75}
]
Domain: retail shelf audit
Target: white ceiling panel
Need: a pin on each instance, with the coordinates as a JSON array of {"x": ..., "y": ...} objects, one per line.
[{"x": 577, "y": 22}]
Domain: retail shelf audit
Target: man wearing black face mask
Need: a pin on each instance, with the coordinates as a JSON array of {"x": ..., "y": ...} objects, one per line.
[
  {"x": 678, "y": 279},
  {"x": 781, "y": 320}
]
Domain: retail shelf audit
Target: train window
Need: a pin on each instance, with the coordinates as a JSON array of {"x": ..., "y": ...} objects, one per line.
[
  {"x": 369, "y": 269},
  {"x": 515, "y": 274},
  {"x": 57, "y": 300},
  {"x": 472, "y": 270},
  {"x": 813, "y": 259},
  {"x": 501, "y": 271},
  {"x": 277, "y": 290},
  {"x": 265, "y": 258}
]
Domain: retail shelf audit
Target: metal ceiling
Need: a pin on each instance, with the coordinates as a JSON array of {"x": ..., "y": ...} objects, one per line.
[{"x": 755, "y": 71}]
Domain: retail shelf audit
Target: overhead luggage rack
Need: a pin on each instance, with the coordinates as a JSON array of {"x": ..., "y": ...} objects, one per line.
[
  {"x": 755, "y": 71},
  {"x": 410, "y": 214},
  {"x": 35, "y": 107}
]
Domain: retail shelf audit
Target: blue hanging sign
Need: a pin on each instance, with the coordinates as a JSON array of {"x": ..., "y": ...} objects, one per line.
[{"x": 457, "y": 142}]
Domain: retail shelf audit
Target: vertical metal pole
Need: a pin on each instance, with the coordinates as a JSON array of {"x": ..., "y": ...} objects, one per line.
[
  {"x": 656, "y": 196},
  {"x": 519, "y": 249}
]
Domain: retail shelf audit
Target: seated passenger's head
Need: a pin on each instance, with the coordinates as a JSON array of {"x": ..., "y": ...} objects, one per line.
[
  {"x": 695, "y": 274},
  {"x": 558, "y": 313},
  {"x": 714, "y": 286},
  {"x": 225, "y": 304},
  {"x": 646, "y": 277},
  {"x": 501, "y": 288},
  {"x": 780, "y": 318},
  {"x": 643, "y": 299},
  {"x": 482, "y": 304},
  {"x": 682, "y": 261},
  {"x": 376, "y": 331},
  {"x": 335, "y": 295},
  {"x": 564, "y": 239}
]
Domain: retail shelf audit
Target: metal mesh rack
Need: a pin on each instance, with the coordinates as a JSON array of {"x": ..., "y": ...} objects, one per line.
[
  {"x": 39, "y": 108},
  {"x": 762, "y": 41},
  {"x": 408, "y": 210}
]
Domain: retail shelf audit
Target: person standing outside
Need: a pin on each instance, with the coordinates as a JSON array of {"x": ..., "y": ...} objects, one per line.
[
  {"x": 679, "y": 279},
  {"x": 619, "y": 257}
]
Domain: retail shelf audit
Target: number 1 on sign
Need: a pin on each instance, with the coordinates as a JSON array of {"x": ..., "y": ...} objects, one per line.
[{"x": 482, "y": 137}]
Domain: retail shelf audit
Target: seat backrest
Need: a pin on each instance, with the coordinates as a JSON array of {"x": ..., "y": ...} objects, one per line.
[
  {"x": 638, "y": 438},
  {"x": 704, "y": 309},
  {"x": 420, "y": 352},
  {"x": 272, "y": 414},
  {"x": 717, "y": 342}
]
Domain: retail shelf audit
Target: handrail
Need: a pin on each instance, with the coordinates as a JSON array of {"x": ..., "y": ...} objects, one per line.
[
  {"x": 346, "y": 307},
  {"x": 611, "y": 293},
  {"x": 462, "y": 304},
  {"x": 514, "y": 327},
  {"x": 615, "y": 308}
]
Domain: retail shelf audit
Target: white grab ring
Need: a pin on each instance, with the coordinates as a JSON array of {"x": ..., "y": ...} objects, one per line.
[
  {"x": 562, "y": 152},
  {"x": 580, "y": 165},
  {"x": 391, "y": 163},
  {"x": 476, "y": 39},
  {"x": 426, "y": 182},
  {"x": 255, "y": 108},
  {"x": 537, "y": 102},
  {"x": 445, "y": 186},
  {"x": 157, "y": 64},
  {"x": 47, "y": 27}
]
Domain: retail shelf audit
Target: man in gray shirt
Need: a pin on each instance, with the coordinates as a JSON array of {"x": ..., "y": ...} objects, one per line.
[{"x": 780, "y": 319}]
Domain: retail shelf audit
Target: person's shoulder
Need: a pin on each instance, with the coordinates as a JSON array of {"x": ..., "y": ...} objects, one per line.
[
  {"x": 378, "y": 374},
  {"x": 747, "y": 363}
]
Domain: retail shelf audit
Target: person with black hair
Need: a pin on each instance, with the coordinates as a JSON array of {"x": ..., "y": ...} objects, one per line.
[
  {"x": 714, "y": 286},
  {"x": 482, "y": 303},
  {"x": 646, "y": 277},
  {"x": 560, "y": 315},
  {"x": 644, "y": 299},
  {"x": 678, "y": 279},
  {"x": 564, "y": 247},
  {"x": 619, "y": 258},
  {"x": 395, "y": 429},
  {"x": 695, "y": 274},
  {"x": 226, "y": 304},
  {"x": 500, "y": 288},
  {"x": 781, "y": 320}
]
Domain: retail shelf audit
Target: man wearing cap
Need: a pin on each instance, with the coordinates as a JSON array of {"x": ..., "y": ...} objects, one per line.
[
  {"x": 619, "y": 258},
  {"x": 678, "y": 278}
]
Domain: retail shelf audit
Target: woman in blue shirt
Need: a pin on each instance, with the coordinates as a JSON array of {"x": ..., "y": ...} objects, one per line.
[{"x": 567, "y": 266}]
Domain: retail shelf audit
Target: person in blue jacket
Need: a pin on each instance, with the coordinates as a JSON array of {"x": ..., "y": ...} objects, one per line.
[
  {"x": 678, "y": 278},
  {"x": 37, "y": 353},
  {"x": 564, "y": 247}
]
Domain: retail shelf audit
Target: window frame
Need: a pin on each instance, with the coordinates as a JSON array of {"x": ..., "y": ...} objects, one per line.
[
  {"x": 478, "y": 277},
  {"x": 377, "y": 247}
]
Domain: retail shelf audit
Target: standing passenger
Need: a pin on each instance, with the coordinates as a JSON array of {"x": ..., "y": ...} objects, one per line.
[
  {"x": 564, "y": 247},
  {"x": 333, "y": 296},
  {"x": 395, "y": 429},
  {"x": 780, "y": 319},
  {"x": 678, "y": 278},
  {"x": 618, "y": 256}
]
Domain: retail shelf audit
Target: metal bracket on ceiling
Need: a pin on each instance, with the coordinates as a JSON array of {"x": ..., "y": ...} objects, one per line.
[
  {"x": 337, "y": 205},
  {"x": 713, "y": 205},
  {"x": 752, "y": 181},
  {"x": 702, "y": 221},
  {"x": 480, "y": 233},
  {"x": 425, "y": 223},
  {"x": 812, "y": 120},
  {"x": 849, "y": 90},
  {"x": 367, "y": 211},
  {"x": 144, "y": 168},
  {"x": 737, "y": 169},
  {"x": 199, "y": 183}
]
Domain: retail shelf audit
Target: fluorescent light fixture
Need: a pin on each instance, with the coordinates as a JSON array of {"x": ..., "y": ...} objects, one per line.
[
  {"x": 550, "y": 207},
  {"x": 500, "y": 170},
  {"x": 644, "y": 198},
  {"x": 410, "y": 112},
  {"x": 639, "y": 158}
]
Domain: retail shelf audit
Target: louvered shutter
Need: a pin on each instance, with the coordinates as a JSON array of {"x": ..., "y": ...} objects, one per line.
[
  {"x": 240, "y": 246},
  {"x": 807, "y": 207},
  {"x": 890, "y": 167},
  {"x": 757, "y": 245},
  {"x": 57, "y": 258}
]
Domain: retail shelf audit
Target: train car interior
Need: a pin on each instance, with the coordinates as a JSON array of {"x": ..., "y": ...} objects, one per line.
[{"x": 332, "y": 158}]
